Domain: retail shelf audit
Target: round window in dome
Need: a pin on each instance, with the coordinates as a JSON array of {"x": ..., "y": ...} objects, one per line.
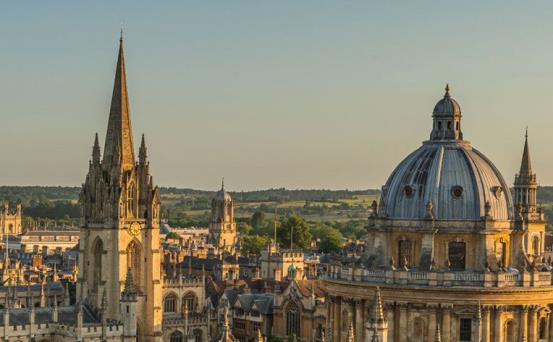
[
  {"x": 457, "y": 191},
  {"x": 409, "y": 191}
]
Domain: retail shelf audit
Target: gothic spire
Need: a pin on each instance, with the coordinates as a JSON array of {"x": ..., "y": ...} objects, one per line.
[
  {"x": 143, "y": 151},
  {"x": 96, "y": 150},
  {"x": 118, "y": 149},
  {"x": 526, "y": 163}
]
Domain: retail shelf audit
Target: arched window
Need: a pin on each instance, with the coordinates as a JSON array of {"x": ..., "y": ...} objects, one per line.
[
  {"x": 500, "y": 252},
  {"x": 292, "y": 320},
  {"x": 404, "y": 255},
  {"x": 190, "y": 302},
  {"x": 134, "y": 262},
  {"x": 536, "y": 245},
  {"x": 457, "y": 254},
  {"x": 11, "y": 228},
  {"x": 97, "y": 252},
  {"x": 170, "y": 303},
  {"x": 177, "y": 336},
  {"x": 509, "y": 331}
]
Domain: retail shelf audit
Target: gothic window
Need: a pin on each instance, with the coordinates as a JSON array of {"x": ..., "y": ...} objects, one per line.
[
  {"x": 190, "y": 302},
  {"x": 465, "y": 329},
  {"x": 97, "y": 251},
  {"x": 536, "y": 245},
  {"x": 170, "y": 304},
  {"x": 292, "y": 320},
  {"x": 177, "y": 336},
  {"x": 134, "y": 262},
  {"x": 456, "y": 254},
  {"x": 131, "y": 198},
  {"x": 404, "y": 255}
]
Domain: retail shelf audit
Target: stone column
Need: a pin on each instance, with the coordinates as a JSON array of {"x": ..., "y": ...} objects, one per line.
[
  {"x": 486, "y": 324},
  {"x": 403, "y": 333},
  {"x": 338, "y": 322},
  {"x": 358, "y": 320},
  {"x": 498, "y": 331},
  {"x": 523, "y": 334},
  {"x": 432, "y": 321},
  {"x": 446, "y": 322},
  {"x": 533, "y": 325}
]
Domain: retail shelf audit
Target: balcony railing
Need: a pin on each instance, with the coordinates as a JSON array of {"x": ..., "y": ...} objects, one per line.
[{"x": 444, "y": 278}]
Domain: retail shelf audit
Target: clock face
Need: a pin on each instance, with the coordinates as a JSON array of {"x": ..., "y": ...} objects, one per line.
[{"x": 134, "y": 228}]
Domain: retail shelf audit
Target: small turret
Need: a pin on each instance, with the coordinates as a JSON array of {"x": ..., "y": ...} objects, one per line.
[{"x": 378, "y": 325}]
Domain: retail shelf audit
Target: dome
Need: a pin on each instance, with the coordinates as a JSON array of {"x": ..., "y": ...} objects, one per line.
[
  {"x": 455, "y": 178},
  {"x": 222, "y": 196},
  {"x": 447, "y": 106}
]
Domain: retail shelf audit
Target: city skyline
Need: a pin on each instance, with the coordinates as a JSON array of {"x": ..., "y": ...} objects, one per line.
[{"x": 247, "y": 100}]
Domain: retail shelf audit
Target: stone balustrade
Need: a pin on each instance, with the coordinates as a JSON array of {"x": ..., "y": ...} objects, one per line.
[{"x": 445, "y": 278}]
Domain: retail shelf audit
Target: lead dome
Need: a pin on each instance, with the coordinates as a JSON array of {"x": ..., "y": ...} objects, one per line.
[{"x": 446, "y": 178}]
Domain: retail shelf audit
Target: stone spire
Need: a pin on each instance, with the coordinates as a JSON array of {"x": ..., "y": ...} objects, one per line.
[
  {"x": 378, "y": 312},
  {"x": 526, "y": 185},
  {"x": 526, "y": 164},
  {"x": 96, "y": 150},
  {"x": 129, "y": 292},
  {"x": 118, "y": 149},
  {"x": 143, "y": 152}
]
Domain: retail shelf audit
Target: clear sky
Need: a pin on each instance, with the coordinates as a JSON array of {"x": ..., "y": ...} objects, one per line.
[{"x": 295, "y": 94}]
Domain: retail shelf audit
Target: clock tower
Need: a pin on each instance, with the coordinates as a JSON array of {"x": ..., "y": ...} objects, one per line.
[{"x": 120, "y": 228}]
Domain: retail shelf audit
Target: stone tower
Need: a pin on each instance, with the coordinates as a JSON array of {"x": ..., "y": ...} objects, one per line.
[
  {"x": 120, "y": 229},
  {"x": 10, "y": 222},
  {"x": 222, "y": 229}
]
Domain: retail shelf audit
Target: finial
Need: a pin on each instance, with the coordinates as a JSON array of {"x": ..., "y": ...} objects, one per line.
[
  {"x": 526, "y": 134},
  {"x": 121, "y": 36},
  {"x": 223, "y": 184},
  {"x": 446, "y": 90}
]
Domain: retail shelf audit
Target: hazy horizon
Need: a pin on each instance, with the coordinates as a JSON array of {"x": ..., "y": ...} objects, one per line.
[{"x": 310, "y": 95}]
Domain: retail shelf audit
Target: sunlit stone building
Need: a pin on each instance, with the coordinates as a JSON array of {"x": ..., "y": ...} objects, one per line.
[{"x": 455, "y": 255}]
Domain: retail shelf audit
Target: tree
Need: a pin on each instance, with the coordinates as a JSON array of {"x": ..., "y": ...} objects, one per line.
[
  {"x": 258, "y": 219},
  {"x": 331, "y": 240},
  {"x": 244, "y": 228},
  {"x": 300, "y": 229},
  {"x": 253, "y": 244},
  {"x": 172, "y": 235}
]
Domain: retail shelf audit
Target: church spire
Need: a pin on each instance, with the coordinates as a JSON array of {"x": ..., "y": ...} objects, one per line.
[
  {"x": 119, "y": 150},
  {"x": 526, "y": 163}
]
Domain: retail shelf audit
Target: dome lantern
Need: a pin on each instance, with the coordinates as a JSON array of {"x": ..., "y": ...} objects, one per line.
[{"x": 447, "y": 119}]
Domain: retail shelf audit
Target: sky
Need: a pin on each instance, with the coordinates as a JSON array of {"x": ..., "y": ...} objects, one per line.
[{"x": 270, "y": 94}]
